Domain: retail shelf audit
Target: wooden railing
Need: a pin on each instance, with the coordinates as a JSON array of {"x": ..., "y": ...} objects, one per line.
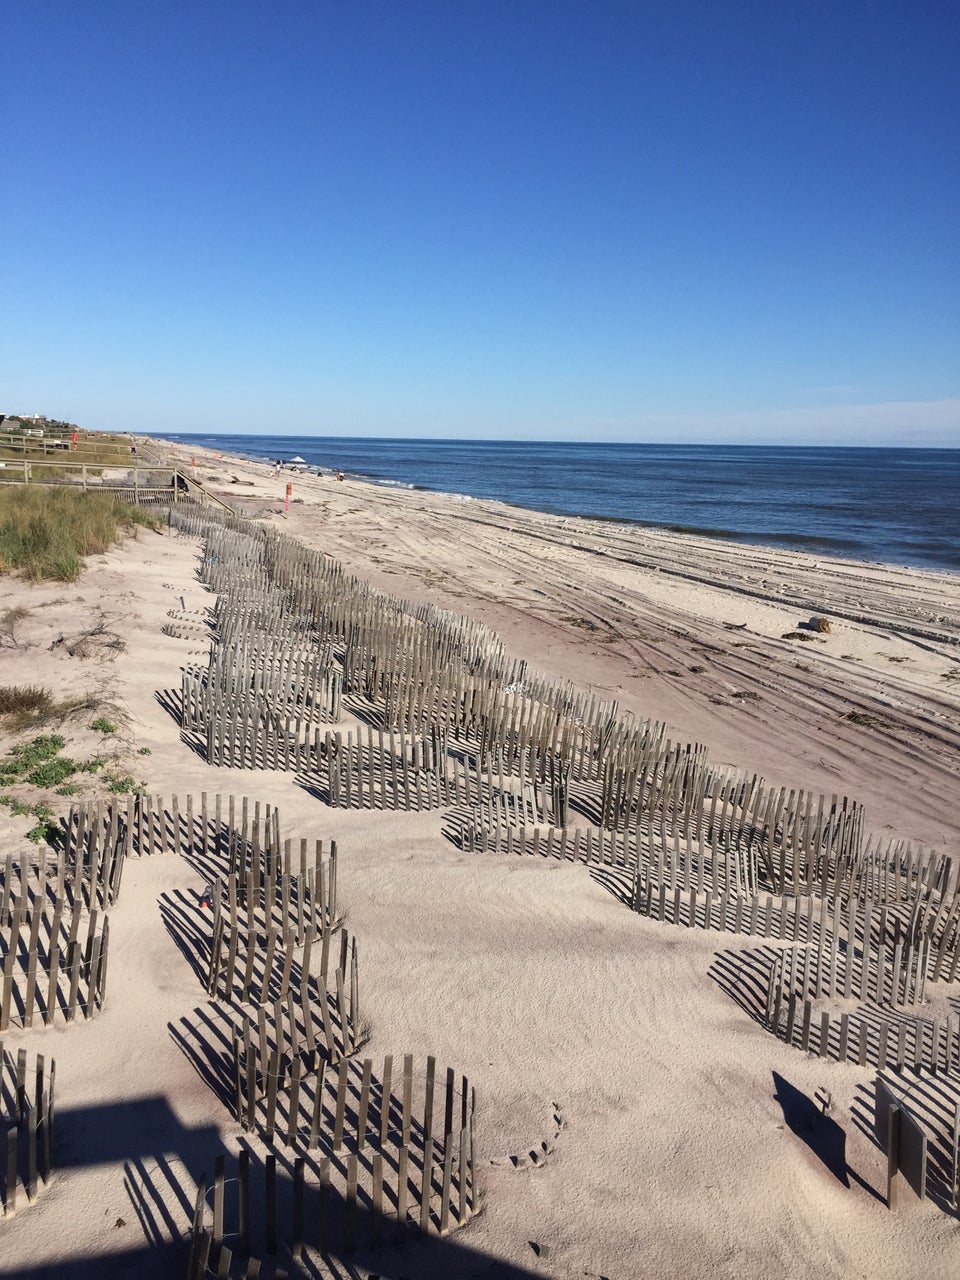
[{"x": 152, "y": 485}]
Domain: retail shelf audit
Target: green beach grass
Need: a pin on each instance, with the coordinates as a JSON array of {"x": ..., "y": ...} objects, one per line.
[{"x": 46, "y": 532}]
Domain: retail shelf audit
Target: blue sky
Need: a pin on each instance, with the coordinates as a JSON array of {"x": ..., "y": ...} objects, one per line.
[{"x": 485, "y": 218}]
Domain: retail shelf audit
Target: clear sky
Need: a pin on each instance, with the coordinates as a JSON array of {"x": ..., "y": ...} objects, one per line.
[{"x": 558, "y": 219}]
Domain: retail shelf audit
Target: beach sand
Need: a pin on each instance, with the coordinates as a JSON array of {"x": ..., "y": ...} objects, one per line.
[
  {"x": 527, "y": 975},
  {"x": 678, "y": 628}
]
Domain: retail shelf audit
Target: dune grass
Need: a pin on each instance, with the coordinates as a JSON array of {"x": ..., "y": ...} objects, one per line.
[
  {"x": 46, "y": 532},
  {"x": 25, "y": 700}
]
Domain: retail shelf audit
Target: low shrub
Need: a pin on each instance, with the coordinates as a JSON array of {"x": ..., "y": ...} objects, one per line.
[
  {"x": 24, "y": 699},
  {"x": 27, "y": 755},
  {"x": 52, "y": 772},
  {"x": 121, "y": 785},
  {"x": 47, "y": 827},
  {"x": 10, "y": 621},
  {"x": 38, "y": 762}
]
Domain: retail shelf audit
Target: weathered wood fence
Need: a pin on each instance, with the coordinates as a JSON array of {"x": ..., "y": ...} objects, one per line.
[
  {"x": 230, "y": 830},
  {"x": 395, "y": 1166},
  {"x": 524, "y": 764},
  {"x": 252, "y": 967},
  {"x": 50, "y": 965},
  {"x": 866, "y": 1036},
  {"x": 95, "y": 845},
  {"x": 26, "y": 1121},
  {"x": 84, "y": 872},
  {"x": 870, "y": 954},
  {"x": 917, "y": 1126}
]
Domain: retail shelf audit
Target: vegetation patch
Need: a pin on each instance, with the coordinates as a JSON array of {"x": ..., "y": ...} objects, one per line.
[
  {"x": 10, "y": 620},
  {"x": 40, "y": 764},
  {"x": 25, "y": 700},
  {"x": 27, "y": 755},
  {"x": 46, "y": 828},
  {"x": 52, "y": 772},
  {"x": 122, "y": 784},
  {"x": 46, "y": 532}
]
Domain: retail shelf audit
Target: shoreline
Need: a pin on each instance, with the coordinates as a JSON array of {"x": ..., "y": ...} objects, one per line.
[
  {"x": 676, "y": 628},
  {"x": 689, "y": 538},
  {"x": 824, "y": 548}
]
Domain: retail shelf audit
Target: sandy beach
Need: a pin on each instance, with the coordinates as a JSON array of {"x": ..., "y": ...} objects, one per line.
[
  {"x": 674, "y": 1157},
  {"x": 677, "y": 628}
]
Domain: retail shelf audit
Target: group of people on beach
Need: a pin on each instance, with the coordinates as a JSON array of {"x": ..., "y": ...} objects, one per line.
[{"x": 280, "y": 465}]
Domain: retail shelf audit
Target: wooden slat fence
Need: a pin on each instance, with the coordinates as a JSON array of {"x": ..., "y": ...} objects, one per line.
[
  {"x": 222, "y": 835},
  {"x": 242, "y": 736},
  {"x": 295, "y": 892},
  {"x": 865, "y": 1036},
  {"x": 85, "y": 871},
  {"x": 927, "y": 1137},
  {"x": 302, "y": 685},
  {"x": 96, "y": 844},
  {"x": 403, "y": 1166},
  {"x": 254, "y": 968},
  {"x": 387, "y": 770},
  {"x": 869, "y": 954},
  {"x": 526, "y": 764},
  {"x": 50, "y": 965},
  {"x": 230, "y": 831},
  {"x": 27, "y": 1125}
]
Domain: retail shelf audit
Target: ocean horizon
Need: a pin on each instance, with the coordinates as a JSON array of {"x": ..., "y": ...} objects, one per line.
[{"x": 899, "y": 506}]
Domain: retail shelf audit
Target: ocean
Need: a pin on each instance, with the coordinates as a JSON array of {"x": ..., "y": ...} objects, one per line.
[{"x": 892, "y": 506}]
